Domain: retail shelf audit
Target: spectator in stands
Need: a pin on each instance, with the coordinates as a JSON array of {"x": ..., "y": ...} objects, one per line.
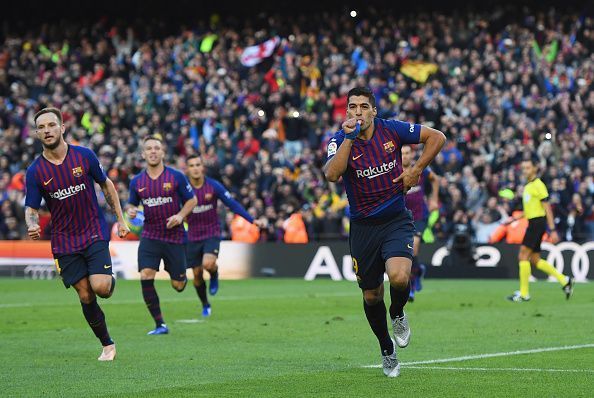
[{"x": 506, "y": 80}]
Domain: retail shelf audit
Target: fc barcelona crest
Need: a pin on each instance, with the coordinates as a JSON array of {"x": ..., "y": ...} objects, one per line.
[
  {"x": 389, "y": 146},
  {"x": 77, "y": 171},
  {"x": 208, "y": 196},
  {"x": 166, "y": 186}
]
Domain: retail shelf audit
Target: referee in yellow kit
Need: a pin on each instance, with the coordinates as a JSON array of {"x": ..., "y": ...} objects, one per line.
[{"x": 539, "y": 213}]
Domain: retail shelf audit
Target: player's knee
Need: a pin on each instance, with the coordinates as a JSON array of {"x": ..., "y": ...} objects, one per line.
[
  {"x": 400, "y": 282},
  {"x": 86, "y": 297},
  {"x": 198, "y": 280},
  {"x": 399, "y": 278},
  {"x": 372, "y": 297},
  {"x": 210, "y": 266},
  {"x": 524, "y": 254},
  {"x": 103, "y": 293},
  {"x": 372, "y": 300},
  {"x": 103, "y": 290},
  {"x": 179, "y": 285}
]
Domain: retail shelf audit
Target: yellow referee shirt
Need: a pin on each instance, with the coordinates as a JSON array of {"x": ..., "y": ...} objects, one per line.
[{"x": 534, "y": 192}]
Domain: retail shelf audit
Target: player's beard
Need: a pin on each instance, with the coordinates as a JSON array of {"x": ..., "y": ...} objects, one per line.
[{"x": 51, "y": 146}]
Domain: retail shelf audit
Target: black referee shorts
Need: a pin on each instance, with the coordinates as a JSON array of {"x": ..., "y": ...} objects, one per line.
[{"x": 536, "y": 229}]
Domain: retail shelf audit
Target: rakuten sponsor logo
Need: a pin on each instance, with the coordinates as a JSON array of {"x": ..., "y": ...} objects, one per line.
[
  {"x": 152, "y": 202},
  {"x": 72, "y": 190},
  {"x": 372, "y": 172},
  {"x": 202, "y": 208}
]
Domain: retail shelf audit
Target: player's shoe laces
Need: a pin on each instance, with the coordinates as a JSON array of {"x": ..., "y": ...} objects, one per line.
[
  {"x": 401, "y": 330},
  {"x": 161, "y": 329},
  {"x": 517, "y": 297},
  {"x": 206, "y": 310},
  {"x": 390, "y": 363},
  {"x": 213, "y": 287},
  {"x": 108, "y": 353},
  {"x": 568, "y": 288}
]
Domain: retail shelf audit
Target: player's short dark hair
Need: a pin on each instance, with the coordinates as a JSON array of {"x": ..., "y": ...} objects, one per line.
[
  {"x": 152, "y": 137},
  {"x": 193, "y": 156},
  {"x": 53, "y": 110},
  {"x": 364, "y": 91}
]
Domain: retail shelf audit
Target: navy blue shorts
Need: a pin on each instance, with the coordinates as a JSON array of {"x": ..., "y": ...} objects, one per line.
[
  {"x": 196, "y": 250},
  {"x": 420, "y": 226},
  {"x": 152, "y": 251},
  {"x": 372, "y": 243},
  {"x": 95, "y": 259}
]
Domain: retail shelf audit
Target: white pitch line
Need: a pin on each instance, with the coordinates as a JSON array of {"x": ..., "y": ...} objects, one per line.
[
  {"x": 492, "y": 355},
  {"x": 502, "y": 369},
  {"x": 189, "y": 321},
  {"x": 15, "y": 305}
]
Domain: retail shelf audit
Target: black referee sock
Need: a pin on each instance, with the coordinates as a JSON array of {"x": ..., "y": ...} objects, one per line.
[
  {"x": 96, "y": 320},
  {"x": 399, "y": 299},
  {"x": 376, "y": 316},
  {"x": 201, "y": 290}
]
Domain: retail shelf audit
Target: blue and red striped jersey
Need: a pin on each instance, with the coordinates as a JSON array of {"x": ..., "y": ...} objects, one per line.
[
  {"x": 68, "y": 189},
  {"x": 373, "y": 165},
  {"x": 415, "y": 198},
  {"x": 203, "y": 222},
  {"x": 161, "y": 198}
]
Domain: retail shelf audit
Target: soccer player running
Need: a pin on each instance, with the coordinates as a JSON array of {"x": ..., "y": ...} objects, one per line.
[
  {"x": 416, "y": 203},
  {"x": 539, "y": 213},
  {"x": 167, "y": 198},
  {"x": 204, "y": 229},
  {"x": 367, "y": 154},
  {"x": 63, "y": 176}
]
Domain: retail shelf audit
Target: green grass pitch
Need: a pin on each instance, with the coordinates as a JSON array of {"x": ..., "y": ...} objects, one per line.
[{"x": 291, "y": 338}]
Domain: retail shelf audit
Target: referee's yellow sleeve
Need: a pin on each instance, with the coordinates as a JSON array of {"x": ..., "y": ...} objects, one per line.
[{"x": 543, "y": 193}]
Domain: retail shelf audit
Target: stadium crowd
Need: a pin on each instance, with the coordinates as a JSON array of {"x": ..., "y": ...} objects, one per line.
[{"x": 506, "y": 83}]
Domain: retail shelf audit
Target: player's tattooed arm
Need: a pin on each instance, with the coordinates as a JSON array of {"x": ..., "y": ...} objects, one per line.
[
  {"x": 111, "y": 197},
  {"x": 32, "y": 220}
]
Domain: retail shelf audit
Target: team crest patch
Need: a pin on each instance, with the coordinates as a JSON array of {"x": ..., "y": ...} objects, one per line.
[
  {"x": 208, "y": 196},
  {"x": 166, "y": 186},
  {"x": 389, "y": 146},
  {"x": 77, "y": 171}
]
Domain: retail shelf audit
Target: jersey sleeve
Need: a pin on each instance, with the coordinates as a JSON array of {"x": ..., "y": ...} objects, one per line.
[
  {"x": 184, "y": 189},
  {"x": 96, "y": 170},
  {"x": 542, "y": 192},
  {"x": 133, "y": 198},
  {"x": 334, "y": 144},
  {"x": 33, "y": 194},
  {"x": 225, "y": 196},
  {"x": 407, "y": 133}
]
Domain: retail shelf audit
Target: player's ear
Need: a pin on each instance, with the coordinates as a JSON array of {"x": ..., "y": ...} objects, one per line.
[{"x": 374, "y": 111}]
